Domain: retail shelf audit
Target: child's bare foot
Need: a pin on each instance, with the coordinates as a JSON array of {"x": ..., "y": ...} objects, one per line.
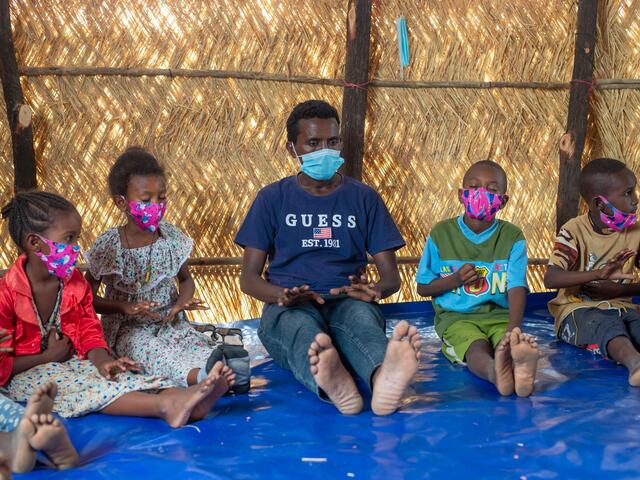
[
  {"x": 41, "y": 401},
  {"x": 634, "y": 376},
  {"x": 525, "y": 355},
  {"x": 504, "y": 366},
  {"x": 178, "y": 404},
  {"x": 331, "y": 376},
  {"x": 220, "y": 375},
  {"x": 51, "y": 437},
  {"x": 21, "y": 455},
  {"x": 398, "y": 369}
]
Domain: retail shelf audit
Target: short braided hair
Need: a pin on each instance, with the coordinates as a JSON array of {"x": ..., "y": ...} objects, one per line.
[{"x": 33, "y": 212}]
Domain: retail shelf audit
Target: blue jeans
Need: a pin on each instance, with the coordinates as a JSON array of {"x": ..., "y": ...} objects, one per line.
[
  {"x": 10, "y": 414},
  {"x": 356, "y": 328}
]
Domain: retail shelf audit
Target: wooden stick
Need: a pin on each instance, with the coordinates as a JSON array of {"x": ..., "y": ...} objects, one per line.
[
  {"x": 356, "y": 75},
  {"x": 18, "y": 114},
  {"x": 572, "y": 143},
  {"x": 237, "y": 261}
]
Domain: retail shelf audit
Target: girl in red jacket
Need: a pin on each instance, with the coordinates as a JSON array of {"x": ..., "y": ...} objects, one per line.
[{"x": 46, "y": 305}]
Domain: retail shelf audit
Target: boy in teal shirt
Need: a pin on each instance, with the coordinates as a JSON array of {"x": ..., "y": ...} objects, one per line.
[{"x": 474, "y": 268}]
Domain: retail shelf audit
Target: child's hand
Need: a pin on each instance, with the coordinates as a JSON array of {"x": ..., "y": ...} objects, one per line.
[
  {"x": 295, "y": 295},
  {"x": 466, "y": 275},
  {"x": 141, "y": 308},
  {"x": 5, "y": 336},
  {"x": 604, "y": 290},
  {"x": 59, "y": 348},
  {"x": 193, "y": 304},
  {"x": 612, "y": 270},
  {"x": 111, "y": 368}
]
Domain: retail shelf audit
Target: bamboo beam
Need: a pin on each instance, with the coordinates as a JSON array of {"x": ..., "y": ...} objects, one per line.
[
  {"x": 18, "y": 114},
  {"x": 572, "y": 143},
  {"x": 356, "y": 78},
  {"x": 602, "y": 84}
]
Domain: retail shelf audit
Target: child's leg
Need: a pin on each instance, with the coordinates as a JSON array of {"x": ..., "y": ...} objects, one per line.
[
  {"x": 176, "y": 406},
  {"x": 5, "y": 470},
  {"x": 606, "y": 328}
]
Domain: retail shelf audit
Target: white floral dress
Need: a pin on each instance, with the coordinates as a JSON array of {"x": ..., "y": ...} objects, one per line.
[{"x": 147, "y": 273}]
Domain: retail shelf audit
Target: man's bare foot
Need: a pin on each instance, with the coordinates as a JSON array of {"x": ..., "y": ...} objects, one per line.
[
  {"x": 331, "y": 376},
  {"x": 503, "y": 366},
  {"x": 525, "y": 355},
  {"x": 51, "y": 437},
  {"x": 398, "y": 369},
  {"x": 21, "y": 455},
  {"x": 225, "y": 378},
  {"x": 178, "y": 403}
]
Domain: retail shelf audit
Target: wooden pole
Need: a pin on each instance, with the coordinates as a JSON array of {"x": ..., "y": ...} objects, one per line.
[
  {"x": 572, "y": 143},
  {"x": 356, "y": 78},
  {"x": 18, "y": 114}
]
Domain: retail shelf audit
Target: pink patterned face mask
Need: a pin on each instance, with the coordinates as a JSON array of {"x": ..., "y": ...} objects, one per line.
[
  {"x": 147, "y": 215},
  {"x": 481, "y": 204},
  {"x": 62, "y": 258},
  {"x": 620, "y": 220}
]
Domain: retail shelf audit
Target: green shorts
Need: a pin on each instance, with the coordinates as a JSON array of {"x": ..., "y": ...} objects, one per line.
[{"x": 462, "y": 333}]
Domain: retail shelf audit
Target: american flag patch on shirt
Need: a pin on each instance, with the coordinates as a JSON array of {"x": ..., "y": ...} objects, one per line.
[{"x": 322, "y": 232}]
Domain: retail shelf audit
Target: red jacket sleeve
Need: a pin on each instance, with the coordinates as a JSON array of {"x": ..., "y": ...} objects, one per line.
[
  {"x": 90, "y": 328},
  {"x": 7, "y": 321}
]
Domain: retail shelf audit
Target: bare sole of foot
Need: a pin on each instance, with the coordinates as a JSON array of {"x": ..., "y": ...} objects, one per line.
[
  {"x": 331, "y": 376},
  {"x": 178, "y": 404},
  {"x": 397, "y": 370},
  {"x": 22, "y": 456},
  {"x": 503, "y": 367},
  {"x": 525, "y": 355},
  {"x": 51, "y": 438},
  {"x": 41, "y": 401},
  {"x": 224, "y": 375}
]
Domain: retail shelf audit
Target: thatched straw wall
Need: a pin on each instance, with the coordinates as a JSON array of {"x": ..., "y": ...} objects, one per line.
[{"x": 223, "y": 138}]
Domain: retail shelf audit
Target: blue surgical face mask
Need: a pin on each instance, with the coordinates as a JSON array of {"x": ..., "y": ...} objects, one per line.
[{"x": 321, "y": 164}]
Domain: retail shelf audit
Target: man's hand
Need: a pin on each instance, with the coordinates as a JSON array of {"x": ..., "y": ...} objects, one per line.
[
  {"x": 604, "y": 290},
  {"x": 466, "y": 275},
  {"x": 360, "y": 289},
  {"x": 5, "y": 336},
  {"x": 297, "y": 295},
  {"x": 612, "y": 270},
  {"x": 192, "y": 304},
  {"x": 59, "y": 348},
  {"x": 111, "y": 368}
]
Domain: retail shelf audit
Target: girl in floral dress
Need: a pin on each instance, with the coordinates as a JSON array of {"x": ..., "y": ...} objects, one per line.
[
  {"x": 142, "y": 310},
  {"x": 56, "y": 336}
]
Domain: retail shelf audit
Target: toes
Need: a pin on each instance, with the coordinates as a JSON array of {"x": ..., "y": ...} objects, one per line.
[
  {"x": 514, "y": 338},
  {"x": 323, "y": 341},
  {"x": 217, "y": 368},
  {"x": 314, "y": 347},
  {"x": 314, "y": 359},
  {"x": 400, "y": 331}
]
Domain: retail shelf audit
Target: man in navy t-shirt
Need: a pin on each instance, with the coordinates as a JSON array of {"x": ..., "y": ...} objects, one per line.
[{"x": 315, "y": 229}]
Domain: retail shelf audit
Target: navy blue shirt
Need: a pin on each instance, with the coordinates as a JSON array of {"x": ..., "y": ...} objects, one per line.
[{"x": 317, "y": 240}]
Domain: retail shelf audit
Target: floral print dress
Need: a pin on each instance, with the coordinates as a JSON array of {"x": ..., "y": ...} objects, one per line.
[
  {"x": 81, "y": 388},
  {"x": 148, "y": 273}
]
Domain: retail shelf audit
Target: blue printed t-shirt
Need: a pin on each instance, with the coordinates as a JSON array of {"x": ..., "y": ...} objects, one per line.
[
  {"x": 317, "y": 240},
  {"x": 499, "y": 255}
]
